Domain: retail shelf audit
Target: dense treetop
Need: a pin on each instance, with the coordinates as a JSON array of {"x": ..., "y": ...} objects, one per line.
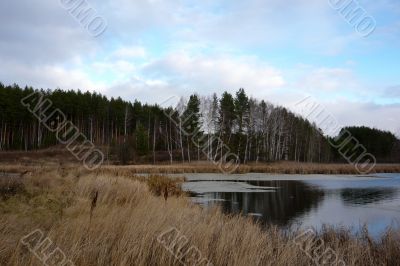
[{"x": 200, "y": 128}]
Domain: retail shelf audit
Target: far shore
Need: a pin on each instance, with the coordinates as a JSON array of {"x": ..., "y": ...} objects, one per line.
[
  {"x": 62, "y": 158},
  {"x": 285, "y": 167}
]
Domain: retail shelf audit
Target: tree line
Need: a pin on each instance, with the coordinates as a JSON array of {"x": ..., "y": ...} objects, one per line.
[{"x": 199, "y": 128}]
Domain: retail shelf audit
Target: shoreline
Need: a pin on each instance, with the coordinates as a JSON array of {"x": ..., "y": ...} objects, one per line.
[
  {"x": 289, "y": 168},
  {"x": 131, "y": 215},
  {"x": 284, "y": 168},
  {"x": 59, "y": 157}
]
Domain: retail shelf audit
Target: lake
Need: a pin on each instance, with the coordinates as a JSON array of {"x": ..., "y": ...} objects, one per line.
[{"x": 305, "y": 200}]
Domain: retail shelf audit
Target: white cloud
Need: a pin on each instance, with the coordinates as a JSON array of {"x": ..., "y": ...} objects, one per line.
[
  {"x": 328, "y": 80},
  {"x": 48, "y": 77},
  {"x": 130, "y": 52},
  {"x": 350, "y": 113},
  {"x": 117, "y": 70},
  {"x": 181, "y": 74},
  {"x": 210, "y": 73},
  {"x": 347, "y": 113},
  {"x": 155, "y": 48},
  {"x": 41, "y": 32},
  {"x": 392, "y": 92}
]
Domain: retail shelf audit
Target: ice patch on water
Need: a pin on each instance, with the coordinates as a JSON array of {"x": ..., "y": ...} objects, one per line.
[{"x": 224, "y": 186}]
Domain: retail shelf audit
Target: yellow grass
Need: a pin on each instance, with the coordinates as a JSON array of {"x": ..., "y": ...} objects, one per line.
[
  {"x": 274, "y": 168},
  {"x": 128, "y": 218},
  {"x": 60, "y": 157}
]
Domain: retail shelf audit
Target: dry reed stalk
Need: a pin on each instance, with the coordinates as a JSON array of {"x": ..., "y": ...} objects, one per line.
[
  {"x": 95, "y": 194},
  {"x": 129, "y": 218}
]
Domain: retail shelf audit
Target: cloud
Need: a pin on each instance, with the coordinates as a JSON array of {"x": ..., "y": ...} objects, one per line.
[
  {"x": 209, "y": 73},
  {"x": 366, "y": 114},
  {"x": 348, "y": 113},
  {"x": 323, "y": 81},
  {"x": 181, "y": 74},
  {"x": 392, "y": 91},
  {"x": 40, "y": 32},
  {"x": 130, "y": 52},
  {"x": 129, "y": 19},
  {"x": 145, "y": 90},
  {"x": 48, "y": 77},
  {"x": 278, "y": 50}
]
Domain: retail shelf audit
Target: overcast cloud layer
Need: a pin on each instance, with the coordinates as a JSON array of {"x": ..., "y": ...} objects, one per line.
[{"x": 280, "y": 51}]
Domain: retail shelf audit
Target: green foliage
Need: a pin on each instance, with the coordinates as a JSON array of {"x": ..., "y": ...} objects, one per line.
[
  {"x": 241, "y": 108},
  {"x": 125, "y": 153},
  {"x": 226, "y": 113},
  {"x": 255, "y": 131},
  {"x": 191, "y": 115},
  {"x": 142, "y": 140},
  {"x": 381, "y": 144}
]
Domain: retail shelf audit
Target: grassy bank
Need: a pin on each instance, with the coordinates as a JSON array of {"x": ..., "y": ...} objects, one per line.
[
  {"x": 273, "y": 168},
  {"x": 60, "y": 157},
  {"x": 207, "y": 167},
  {"x": 115, "y": 219}
]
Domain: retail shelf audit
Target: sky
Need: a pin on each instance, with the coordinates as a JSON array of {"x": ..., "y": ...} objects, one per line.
[{"x": 277, "y": 50}]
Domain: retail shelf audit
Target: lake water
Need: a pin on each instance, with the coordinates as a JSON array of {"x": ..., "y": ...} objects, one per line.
[{"x": 306, "y": 200}]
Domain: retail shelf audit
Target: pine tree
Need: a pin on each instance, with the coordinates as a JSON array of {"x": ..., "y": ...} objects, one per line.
[{"x": 192, "y": 124}]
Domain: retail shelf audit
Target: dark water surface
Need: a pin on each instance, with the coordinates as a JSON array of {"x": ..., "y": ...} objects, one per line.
[{"x": 291, "y": 200}]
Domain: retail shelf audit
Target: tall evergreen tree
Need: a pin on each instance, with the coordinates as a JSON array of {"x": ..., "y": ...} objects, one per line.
[
  {"x": 256, "y": 131},
  {"x": 192, "y": 124}
]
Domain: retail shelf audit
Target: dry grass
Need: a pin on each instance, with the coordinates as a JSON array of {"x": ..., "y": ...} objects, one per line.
[
  {"x": 160, "y": 185},
  {"x": 10, "y": 186},
  {"x": 127, "y": 219},
  {"x": 274, "y": 168},
  {"x": 60, "y": 157}
]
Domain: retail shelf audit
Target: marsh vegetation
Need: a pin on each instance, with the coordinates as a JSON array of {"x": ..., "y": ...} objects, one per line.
[{"x": 131, "y": 212}]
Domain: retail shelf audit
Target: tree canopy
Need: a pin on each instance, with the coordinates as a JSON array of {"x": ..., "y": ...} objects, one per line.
[{"x": 200, "y": 128}]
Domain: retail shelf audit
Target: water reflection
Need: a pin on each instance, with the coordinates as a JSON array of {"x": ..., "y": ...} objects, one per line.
[
  {"x": 311, "y": 202},
  {"x": 286, "y": 202},
  {"x": 364, "y": 196}
]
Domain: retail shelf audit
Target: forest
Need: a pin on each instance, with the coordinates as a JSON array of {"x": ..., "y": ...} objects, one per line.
[{"x": 198, "y": 128}]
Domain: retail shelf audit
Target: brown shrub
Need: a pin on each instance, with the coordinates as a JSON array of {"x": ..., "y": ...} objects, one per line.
[
  {"x": 10, "y": 185},
  {"x": 161, "y": 185}
]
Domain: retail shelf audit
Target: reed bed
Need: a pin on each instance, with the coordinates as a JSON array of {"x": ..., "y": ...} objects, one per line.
[
  {"x": 115, "y": 219},
  {"x": 273, "y": 168},
  {"x": 51, "y": 158}
]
